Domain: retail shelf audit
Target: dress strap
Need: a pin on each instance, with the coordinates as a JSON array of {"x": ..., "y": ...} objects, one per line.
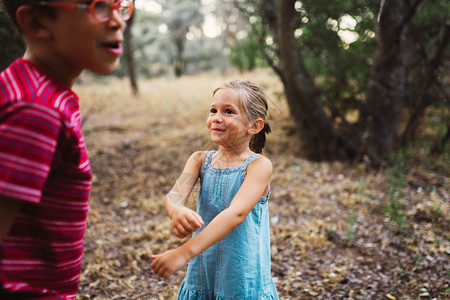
[
  {"x": 209, "y": 157},
  {"x": 207, "y": 161},
  {"x": 249, "y": 160}
]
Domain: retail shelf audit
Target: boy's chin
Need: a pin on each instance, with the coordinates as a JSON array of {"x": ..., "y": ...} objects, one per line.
[{"x": 106, "y": 70}]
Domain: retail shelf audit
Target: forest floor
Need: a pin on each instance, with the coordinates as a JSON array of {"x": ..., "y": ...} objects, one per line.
[{"x": 334, "y": 226}]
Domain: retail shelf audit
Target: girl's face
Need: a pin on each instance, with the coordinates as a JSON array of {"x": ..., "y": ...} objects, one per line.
[
  {"x": 227, "y": 122},
  {"x": 79, "y": 42}
]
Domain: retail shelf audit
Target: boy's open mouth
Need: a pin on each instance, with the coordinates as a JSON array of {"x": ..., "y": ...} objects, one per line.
[{"x": 112, "y": 45}]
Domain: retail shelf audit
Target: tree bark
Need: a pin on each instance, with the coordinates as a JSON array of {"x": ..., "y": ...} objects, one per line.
[
  {"x": 129, "y": 55},
  {"x": 388, "y": 85},
  {"x": 427, "y": 97},
  {"x": 180, "y": 39},
  {"x": 312, "y": 123}
]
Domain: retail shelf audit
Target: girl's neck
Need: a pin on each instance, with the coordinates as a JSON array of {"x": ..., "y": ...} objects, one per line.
[{"x": 229, "y": 158}]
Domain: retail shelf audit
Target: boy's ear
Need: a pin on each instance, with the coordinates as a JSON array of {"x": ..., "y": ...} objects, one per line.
[
  {"x": 255, "y": 126},
  {"x": 30, "y": 22}
]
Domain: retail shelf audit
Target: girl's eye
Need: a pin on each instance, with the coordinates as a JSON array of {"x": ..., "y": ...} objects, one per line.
[
  {"x": 229, "y": 111},
  {"x": 213, "y": 110}
]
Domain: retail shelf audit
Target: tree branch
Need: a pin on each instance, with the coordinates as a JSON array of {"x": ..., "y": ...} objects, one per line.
[{"x": 411, "y": 12}]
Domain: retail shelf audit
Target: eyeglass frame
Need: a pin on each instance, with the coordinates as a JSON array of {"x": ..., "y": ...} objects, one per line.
[{"x": 90, "y": 7}]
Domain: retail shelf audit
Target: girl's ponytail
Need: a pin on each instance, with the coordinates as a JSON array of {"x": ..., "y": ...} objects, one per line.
[{"x": 258, "y": 141}]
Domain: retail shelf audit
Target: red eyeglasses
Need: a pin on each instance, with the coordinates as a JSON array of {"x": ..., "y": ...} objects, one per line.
[{"x": 101, "y": 10}]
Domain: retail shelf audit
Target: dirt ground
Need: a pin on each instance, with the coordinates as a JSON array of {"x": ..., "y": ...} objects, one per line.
[{"x": 331, "y": 237}]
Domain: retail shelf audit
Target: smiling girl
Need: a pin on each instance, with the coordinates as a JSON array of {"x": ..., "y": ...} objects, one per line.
[{"x": 229, "y": 253}]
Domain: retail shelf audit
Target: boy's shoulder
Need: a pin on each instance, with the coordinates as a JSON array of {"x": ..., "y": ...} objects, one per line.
[
  {"x": 24, "y": 82},
  {"x": 17, "y": 84}
]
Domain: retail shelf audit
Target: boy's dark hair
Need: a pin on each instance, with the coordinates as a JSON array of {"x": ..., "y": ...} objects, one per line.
[{"x": 11, "y": 7}]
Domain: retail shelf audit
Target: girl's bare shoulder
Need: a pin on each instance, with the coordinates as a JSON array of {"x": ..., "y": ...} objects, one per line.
[
  {"x": 261, "y": 164},
  {"x": 199, "y": 157}
]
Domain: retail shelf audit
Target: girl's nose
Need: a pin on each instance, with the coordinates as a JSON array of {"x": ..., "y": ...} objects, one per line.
[{"x": 217, "y": 118}]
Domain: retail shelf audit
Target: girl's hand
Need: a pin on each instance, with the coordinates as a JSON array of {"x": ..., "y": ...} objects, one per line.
[
  {"x": 169, "y": 262},
  {"x": 185, "y": 221}
]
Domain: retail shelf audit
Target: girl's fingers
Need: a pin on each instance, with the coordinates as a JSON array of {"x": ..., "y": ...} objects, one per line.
[
  {"x": 177, "y": 229},
  {"x": 157, "y": 267},
  {"x": 178, "y": 234},
  {"x": 187, "y": 226},
  {"x": 181, "y": 229},
  {"x": 195, "y": 221},
  {"x": 199, "y": 219}
]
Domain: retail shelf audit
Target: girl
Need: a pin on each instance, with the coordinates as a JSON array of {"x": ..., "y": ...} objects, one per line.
[{"x": 229, "y": 254}]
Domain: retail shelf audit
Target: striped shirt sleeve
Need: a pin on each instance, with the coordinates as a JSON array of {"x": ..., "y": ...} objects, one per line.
[{"x": 28, "y": 140}]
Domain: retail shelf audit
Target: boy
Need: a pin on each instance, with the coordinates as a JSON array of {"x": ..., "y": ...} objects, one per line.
[{"x": 45, "y": 176}]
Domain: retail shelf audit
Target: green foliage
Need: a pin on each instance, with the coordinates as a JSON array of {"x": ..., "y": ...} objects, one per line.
[
  {"x": 352, "y": 230},
  {"x": 160, "y": 41},
  {"x": 246, "y": 54},
  {"x": 396, "y": 184},
  {"x": 152, "y": 50},
  {"x": 340, "y": 66},
  {"x": 205, "y": 54},
  {"x": 429, "y": 26},
  {"x": 336, "y": 43}
]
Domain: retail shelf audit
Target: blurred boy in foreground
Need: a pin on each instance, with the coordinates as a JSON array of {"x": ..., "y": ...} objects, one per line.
[{"x": 45, "y": 175}]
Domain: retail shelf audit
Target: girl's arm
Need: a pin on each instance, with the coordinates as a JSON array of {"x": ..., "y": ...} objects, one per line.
[
  {"x": 254, "y": 186},
  {"x": 185, "y": 220}
]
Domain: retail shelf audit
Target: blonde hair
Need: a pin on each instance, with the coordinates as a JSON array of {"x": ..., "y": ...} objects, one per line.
[{"x": 254, "y": 102}]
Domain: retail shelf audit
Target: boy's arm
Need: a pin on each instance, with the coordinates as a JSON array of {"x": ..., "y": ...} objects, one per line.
[
  {"x": 253, "y": 187},
  {"x": 8, "y": 211},
  {"x": 185, "y": 220}
]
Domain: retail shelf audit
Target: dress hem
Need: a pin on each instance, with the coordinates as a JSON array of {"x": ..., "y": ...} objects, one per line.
[{"x": 187, "y": 293}]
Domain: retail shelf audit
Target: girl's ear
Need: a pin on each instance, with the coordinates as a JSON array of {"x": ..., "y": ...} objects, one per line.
[
  {"x": 30, "y": 22},
  {"x": 255, "y": 126}
]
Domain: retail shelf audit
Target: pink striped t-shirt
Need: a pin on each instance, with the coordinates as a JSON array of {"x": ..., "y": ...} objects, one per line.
[{"x": 44, "y": 164}]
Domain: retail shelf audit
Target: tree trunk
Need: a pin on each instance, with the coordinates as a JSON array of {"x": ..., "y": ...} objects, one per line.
[
  {"x": 129, "y": 55},
  {"x": 312, "y": 123},
  {"x": 179, "y": 62},
  {"x": 427, "y": 97},
  {"x": 388, "y": 85}
]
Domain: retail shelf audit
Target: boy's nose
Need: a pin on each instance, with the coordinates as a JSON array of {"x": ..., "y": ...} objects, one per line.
[{"x": 116, "y": 18}]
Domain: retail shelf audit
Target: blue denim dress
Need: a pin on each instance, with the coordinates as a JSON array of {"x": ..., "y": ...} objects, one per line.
[{"x": 238, "y": 266}]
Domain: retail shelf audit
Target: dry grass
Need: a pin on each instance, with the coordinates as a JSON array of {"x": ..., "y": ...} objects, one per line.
[{"x": 330, "y": 238}]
